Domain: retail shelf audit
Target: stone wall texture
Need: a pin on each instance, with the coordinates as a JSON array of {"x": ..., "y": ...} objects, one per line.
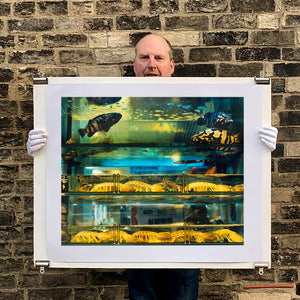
[{"x": 43, "y": 38}]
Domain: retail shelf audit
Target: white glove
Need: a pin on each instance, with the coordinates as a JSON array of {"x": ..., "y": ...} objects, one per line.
[
  {"x": 36, "y": 140},
  {"x": 268, "y": 135}
]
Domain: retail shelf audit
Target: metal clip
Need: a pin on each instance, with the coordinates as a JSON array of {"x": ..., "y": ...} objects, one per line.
[
  {"x": 42, "y": 265},
  {"x": 262, "y": 79},
  {"x": 259, "y": 80},
  {"x": 261, "y": 271},
  {"x": 40, "y": 80},
  {"x": 261, "y": 266}
]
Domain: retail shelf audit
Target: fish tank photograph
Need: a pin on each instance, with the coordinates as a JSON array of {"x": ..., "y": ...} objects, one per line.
[{"x": 152, "y": 170}]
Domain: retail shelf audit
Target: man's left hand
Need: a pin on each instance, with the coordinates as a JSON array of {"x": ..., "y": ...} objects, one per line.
[{"x": 268, "y": 135}]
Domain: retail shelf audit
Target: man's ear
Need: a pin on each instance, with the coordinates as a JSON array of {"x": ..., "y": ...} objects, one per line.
[{"x": 172, "y": 66}]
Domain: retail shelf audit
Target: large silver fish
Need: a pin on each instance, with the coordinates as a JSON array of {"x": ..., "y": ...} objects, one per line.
[{"x": 100, "y": 123}]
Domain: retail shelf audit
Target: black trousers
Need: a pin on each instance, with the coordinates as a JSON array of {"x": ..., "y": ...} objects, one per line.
[{"x": 163, "y": 284}]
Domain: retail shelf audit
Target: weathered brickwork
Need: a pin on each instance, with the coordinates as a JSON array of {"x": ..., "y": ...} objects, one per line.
[{"x": 221, "y": 38}]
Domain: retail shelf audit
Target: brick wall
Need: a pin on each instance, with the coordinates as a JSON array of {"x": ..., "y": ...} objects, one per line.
[{"x": 94, "y": 38}]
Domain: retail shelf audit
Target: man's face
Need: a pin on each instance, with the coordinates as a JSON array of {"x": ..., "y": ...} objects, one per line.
[{"x": 152, "y": 58}]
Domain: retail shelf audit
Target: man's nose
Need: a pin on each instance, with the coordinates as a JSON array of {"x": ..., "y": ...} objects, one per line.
[{"x": 151, "y": 62}]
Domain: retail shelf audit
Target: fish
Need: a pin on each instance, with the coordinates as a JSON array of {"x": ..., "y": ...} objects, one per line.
[
  {"x": 100, "y": 123},
  {"x": 211, "y": 170},
  {"x": 70, "y": 141},
  {"x": 215, "y": 136},
  {"x": 217, "y": 119},
  {"x": 103, "y": 101}
]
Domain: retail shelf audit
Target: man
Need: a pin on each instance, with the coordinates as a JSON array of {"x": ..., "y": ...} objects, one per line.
[{"x": 154, "y": 58}]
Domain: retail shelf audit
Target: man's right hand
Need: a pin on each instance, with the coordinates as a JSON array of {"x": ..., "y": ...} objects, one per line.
[{"x": 37, "y": 139}]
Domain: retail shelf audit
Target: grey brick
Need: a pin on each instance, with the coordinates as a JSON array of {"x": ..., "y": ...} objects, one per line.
[
  {"x": 225, "y": 38},
  {"x": 234, "y": 21},
  {"x": 286, "y": 227},
  {"x": 138, "y": 22},
  {"x": 7, "y": 41},
  {"x": 24, "y": 8},
  {"x": 5, "y": 154},
  {"x": 26, "y": 107},
  {"x": 195, "y": 70},
  {"x": 210, "y": 54},
  {"x": 244, "y": 70},
  {"x": 27, "y": 280},
  {"x": 8, "y": 172},
  {"x": 53, "y": 8},
  {"x": 251, "y": 6},
  {"x": 28, "y": 73},
  {"x": 287, "y": 70},
  {"x": 32, "y": 57},
  {"x": 3, "y": 90},
  {"x": 64, "y": 40},
  {"x": 290, "y": 133},
  {"x": 117, "y": 6},
  {"x": 88, "y": 294},
  {"x": 287, "y": 275},
  {"x": 96, "y": 24},
  {"x": 291, "y": 211},
  {"x": 25, "y": 91},
  {"x": 206, "y": 6},
  {"x": 60, "y": 72},
  {"x": 2, "y": 57},
  {"x": 106, "y": 277},
  {"x": 291, "y": 4},
  {"x": 24, "y": 186},
  {"x": 30, "y": 25},
  {"x": 289, "y": 118},
  {"x": 257, "y": 54},
  {"x": 7, "y": 282},
  {"x": 279, "y": 151},
  {"x": 76, "y": 56},
  {"x": 59, "y": 280},
  {"x": 292, "y": 20},
  {"x": 288, "y": 165},
  {"x": 278, "y": 85},
  {"x": 273, "y": 38},
  {"x": 6, "y": 75},
  {"x": 11, "y": 265},
  {"x": 291, "y": 54},
  {"x": 6, "y": 186},
  {"x": 215, "y": 275},
  {"x": 276, "y": 101},
  {"x": 164, "y": 6},
  {"x": 24, "y": 122},
  {"x": 187, "y": 23},
  {"x": 23, "y": 249},
  {"x": 293, "y": 102},
  {"x": 53, "y": 294},
  {"x": 284, "y": 259},
  {"x": 4, "y": 9},
  {"x": 8, "y": 138},
  {"x": 12, "y": 295}
]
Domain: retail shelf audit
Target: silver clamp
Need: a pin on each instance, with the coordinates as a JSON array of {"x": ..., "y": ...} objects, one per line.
[
  {"x": 262, "y": 79},
  {"x": 42, "y": 264},
  {"x": 261, "y": 266},
  {"x": 40, "y": 80}
]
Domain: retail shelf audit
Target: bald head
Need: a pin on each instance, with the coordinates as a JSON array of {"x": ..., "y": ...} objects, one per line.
[{"x": 153, "y": 57}]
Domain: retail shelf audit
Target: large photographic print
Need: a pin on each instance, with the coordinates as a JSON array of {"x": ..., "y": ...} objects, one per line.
[{"x": 152, "y": 171}]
